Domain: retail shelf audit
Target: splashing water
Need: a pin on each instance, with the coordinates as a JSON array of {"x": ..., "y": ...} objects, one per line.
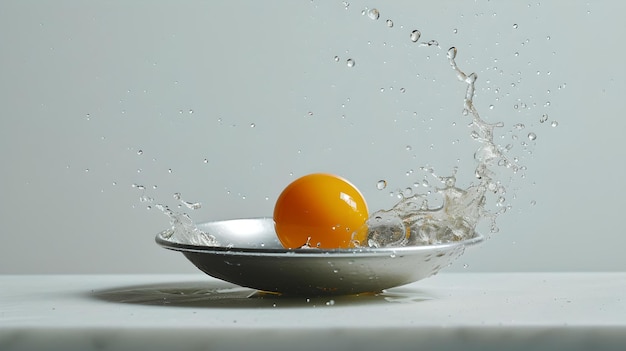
[
  {"x": 413, "y": 222},
  {"x": 182, "y": 227}
]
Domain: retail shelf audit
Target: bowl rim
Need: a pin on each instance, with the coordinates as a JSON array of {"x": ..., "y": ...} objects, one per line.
[{"x": 310, "y": 252}]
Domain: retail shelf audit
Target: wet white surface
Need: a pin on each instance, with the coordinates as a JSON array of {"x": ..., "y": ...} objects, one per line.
[{"x": 472, "y": 311}]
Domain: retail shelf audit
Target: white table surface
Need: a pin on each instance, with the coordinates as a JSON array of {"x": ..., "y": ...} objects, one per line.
[{"x": 469, "y": 311}]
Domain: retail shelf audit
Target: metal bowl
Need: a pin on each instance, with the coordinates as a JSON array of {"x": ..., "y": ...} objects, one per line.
[{"x": 252, "y": 256}]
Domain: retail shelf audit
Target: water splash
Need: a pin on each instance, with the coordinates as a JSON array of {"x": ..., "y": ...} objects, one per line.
[
  {"x": 184, "y": 230},
  {"x": 413, "y": 221},
  {"x": 182, "y": 227}
]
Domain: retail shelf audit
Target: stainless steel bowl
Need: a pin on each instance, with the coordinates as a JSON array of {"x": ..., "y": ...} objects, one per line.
[{"x": 252, "y": 256}]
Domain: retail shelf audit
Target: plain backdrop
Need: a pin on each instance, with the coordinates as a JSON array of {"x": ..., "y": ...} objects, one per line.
[{"x": 111, "y": 107}]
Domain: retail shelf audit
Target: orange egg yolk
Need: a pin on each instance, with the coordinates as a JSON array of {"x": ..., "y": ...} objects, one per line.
[{"x": 320, "y": 210}]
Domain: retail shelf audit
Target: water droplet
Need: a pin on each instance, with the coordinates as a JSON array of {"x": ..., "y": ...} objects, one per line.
[
  {"x": 350, "y": 62},
  {"x": 389, "y": 23},
  {"x": 192, "y": 205},
  {"x": 515, "y": 26},
  {"x": 543, "y": 118},
  {"x": 373, "y": 14},
  {"x": 381, "y": 184},
  {"x": 455, "y": 31},
  {"x": 402, "y": 90},
  {"x": 519, "y": 126},
  {"x": 139, "y": 152},
  {"x": 346, "y": 4},
  {"x": 554, "y": 123},
  {"x": 451, "y": 53},
  {"x": 205, "y": 160},
  {"x": 532, "y": 136},
  {"x": 409, "y": 148},
  {"x": 407, "y": 192},
  {"x": 330, "y": 302},
  {"x": 415, "y": 35},
  {"x": 336, "y": 58},
  {"x": 252, "y": 125}
]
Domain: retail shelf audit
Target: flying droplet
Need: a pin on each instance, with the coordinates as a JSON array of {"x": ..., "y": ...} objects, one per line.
[
  {"x": 381, "y": 184},
  {"x": 336, "y": 58},
  {"x": 532, "y": 136},
  {"x": 373, "y": 14},
  {"x": 554, "y": 123},
  {"x": 192, "y": 205},
  {"x": 451, "y": 53},
  {"x": 415, "y": 35},
  {"x": 389, "y": 23},
  {"x": 515, "y": 26},
  {"x": 350, "y": 62}
]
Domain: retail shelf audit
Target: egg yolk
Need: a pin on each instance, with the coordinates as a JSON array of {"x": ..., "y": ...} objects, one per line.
[{"x": 320, "y": 210}]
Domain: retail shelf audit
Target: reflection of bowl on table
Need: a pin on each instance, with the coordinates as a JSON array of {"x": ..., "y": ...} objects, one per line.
[{"x": 253, "y": 257}]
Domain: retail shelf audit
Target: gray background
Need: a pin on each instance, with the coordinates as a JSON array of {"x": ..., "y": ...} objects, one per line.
[{"x": 96, "y": 97}]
